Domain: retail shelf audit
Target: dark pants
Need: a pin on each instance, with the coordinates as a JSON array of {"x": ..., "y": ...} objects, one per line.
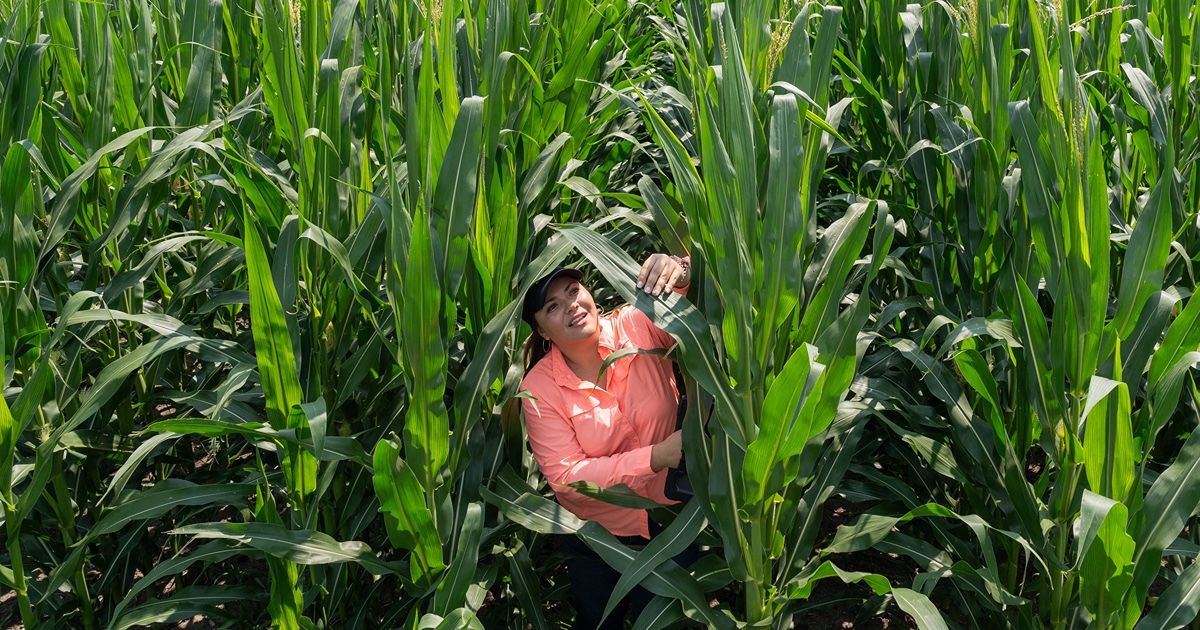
[{"x": 593, "y": 581}]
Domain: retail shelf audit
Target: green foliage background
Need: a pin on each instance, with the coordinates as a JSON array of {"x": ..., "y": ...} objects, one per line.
[{"x": 260, "y": 263}]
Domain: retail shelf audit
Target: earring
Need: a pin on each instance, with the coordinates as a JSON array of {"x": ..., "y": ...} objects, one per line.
[{"x": 545, "y": 345}]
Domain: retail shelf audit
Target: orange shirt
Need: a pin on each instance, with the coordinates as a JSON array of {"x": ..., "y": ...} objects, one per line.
[{"x": 581, "y": 432}]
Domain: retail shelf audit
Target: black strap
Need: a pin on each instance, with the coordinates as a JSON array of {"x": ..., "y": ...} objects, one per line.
[{"x": 679, "y": 487}]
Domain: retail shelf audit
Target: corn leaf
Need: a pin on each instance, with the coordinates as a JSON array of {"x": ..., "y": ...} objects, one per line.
[
  {"x": 277, "y": 365},
  {"x": 409, "y": 522},
  {"x": 427, "y": 426},
  {"x": 300, "y": 546}
]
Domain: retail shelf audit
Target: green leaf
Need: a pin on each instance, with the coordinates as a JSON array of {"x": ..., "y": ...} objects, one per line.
[
  {"x": 327, "y": 242},
  {"x": 801, "y": 587},
  {"x": 427, "y": 425},
  {"x": 185, "y": 604},
  {"x": 783, "y": 225},
  {"x": 617, "y": 355},
  {"x": 974, "y": 369},
  {"x": 1001, "y": 329},
  {"x": 1147, "y": 95},
  {"x": 10, "y": 432},
  {"x": 458, "y": 619},
  {"x": 153, "y": 503},
  {"x": 825, "y": 277},
  {"x": 282, "y": 84},
  {"x": 1168, "y": 505},
  {"x": 661, "y": 612},
  {"x": 1107, "y": 569},
  {"x": 215, "y": 551},
  {"x": 1178, "y": 605},
  {"x": 164, "y": 496},
  {"x": 937, "y": 454},
  {"x": 672, "y": 228},
  {"x": 830, "y": 469},
  {"x": 1093, "y": 509},
  {"x": 824, "y": 46},
  {"x": 1183, "y": 336},
  {"x": 867, "y": 530},
  {"x": 277, "y": 365},
  {"x": 619, "y": 494},
  {"x": 1164, "y": 396},
  {"x": 205, "y": 71},
  {"x": 537, "y": 177},
  {"x": 662, "y": 548},
  {"x": 301, "y": 546},
  {"x": 1108, "y": 455},
  {"x": 686, "y": 179},
  {"x": 740, "y": 131},
  {"x": 66, "y": 202},
  {"x": 410, "y": 523},
  {"x": 452, "y": 590},
  {"x": 1043, "y": 382},
  {"x": 1145, "y": 258},
  {"x": 972, "y": 437},
  {"x": 519, "y": 504},
  {"x": 527, "y": 585},
  {"x": 667, "y": 579},
  {"x": 1038, "y": 180},
  {"x": 456, "y": 191},
  {"x": 315, "y": 417},
  {"x": 781, "y": 434},
  {"x": 286, "y": 605},
  {"x": 1137, "y": 349},
  {"x": 922, "y": 610}
]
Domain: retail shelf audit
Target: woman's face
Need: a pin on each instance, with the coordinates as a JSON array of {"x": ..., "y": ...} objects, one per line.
[{"x": 569, "y": 313}]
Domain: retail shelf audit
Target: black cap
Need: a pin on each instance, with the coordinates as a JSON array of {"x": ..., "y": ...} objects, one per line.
[{"x": 535, "y": 298}]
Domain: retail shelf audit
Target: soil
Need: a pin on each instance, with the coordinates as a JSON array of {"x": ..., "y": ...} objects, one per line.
[
  {"x": 835, "y": 605},
  {"x": 8, "y": 609},
  {"x": 1035, "y": 463}
]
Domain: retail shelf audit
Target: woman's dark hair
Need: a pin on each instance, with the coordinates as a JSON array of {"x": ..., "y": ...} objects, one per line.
[
  {"x": 535, "y": 349},
  {"x": 536, "y": 345}
]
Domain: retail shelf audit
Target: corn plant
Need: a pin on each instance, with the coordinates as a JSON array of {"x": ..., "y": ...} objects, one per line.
[
  {"x": 1064, "y": 343},
  {"x": 260, "y": 264},
  {"x": 764, "y": 338},
  {"x": 273, "y": 235}
]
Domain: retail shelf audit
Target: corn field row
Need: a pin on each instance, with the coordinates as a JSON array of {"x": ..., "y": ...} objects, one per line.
[{"x": 261, "y": 264}]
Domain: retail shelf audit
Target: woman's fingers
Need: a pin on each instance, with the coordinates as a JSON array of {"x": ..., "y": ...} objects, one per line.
[
  {"x": 647, "y": 271},
  {"x": 664, "y": 279},
  {"x": 676, "y": 275},
  {"x": 671, "y": 275},
  {"x": 651, "y": 273},
  {"x": 658, "y": 273}
]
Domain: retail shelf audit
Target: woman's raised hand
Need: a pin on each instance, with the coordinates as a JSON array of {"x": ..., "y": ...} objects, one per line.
[{"x": 661, "y": 271}]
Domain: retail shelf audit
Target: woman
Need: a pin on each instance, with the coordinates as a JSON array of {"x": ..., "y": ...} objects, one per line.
[{"x": 618, "y": 429}]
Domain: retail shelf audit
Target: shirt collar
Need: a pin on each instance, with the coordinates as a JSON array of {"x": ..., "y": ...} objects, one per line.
[
  {"x": 564, "y": 376},
  {"x": 608, "y": 335}
]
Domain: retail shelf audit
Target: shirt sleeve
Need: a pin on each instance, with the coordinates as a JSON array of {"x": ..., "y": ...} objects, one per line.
[{"x": 564, "y": 461}]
